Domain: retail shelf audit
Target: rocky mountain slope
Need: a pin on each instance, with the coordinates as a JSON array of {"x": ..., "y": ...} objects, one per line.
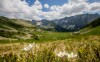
[{"x": 73, "y": 23}]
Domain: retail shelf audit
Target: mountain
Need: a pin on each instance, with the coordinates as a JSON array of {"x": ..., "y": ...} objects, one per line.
[
  {"x": 73, "y": 23},
  {"x": 44, "y": 24},
  {"x": 15, "y": 28},
  {"x": 93, "y": 28},
  {"x": 94, "y": 23}
]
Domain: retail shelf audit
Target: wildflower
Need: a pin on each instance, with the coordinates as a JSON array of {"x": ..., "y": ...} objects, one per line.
[
  {"x": 72, "y": 55},
  {"x": 62, "y": 54},
  {"x": 29, "y": 47}
]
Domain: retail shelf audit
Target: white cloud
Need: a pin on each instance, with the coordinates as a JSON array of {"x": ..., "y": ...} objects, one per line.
[
  {"x": 94, "y": 6},
  {"x": 71, "y": 9},
  {"x": 21, "y": 9},
  {"x": 75, "y": 7},
  {"x": 46, "y": 6},
  {"x": 37, "y": 5},
  {"x": 51, "y": 15}
]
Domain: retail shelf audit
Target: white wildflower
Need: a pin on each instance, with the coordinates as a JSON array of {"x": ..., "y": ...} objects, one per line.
[
  {"x": 62, "y": 54},
  {"x": 29, "y": 47},
  {"x": 72, "y": 55}
]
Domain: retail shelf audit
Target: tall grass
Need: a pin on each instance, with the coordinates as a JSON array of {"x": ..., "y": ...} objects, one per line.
[{"x": 88, "y": 50}]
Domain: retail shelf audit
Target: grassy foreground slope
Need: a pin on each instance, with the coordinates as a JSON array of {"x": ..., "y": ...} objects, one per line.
[{"x": 88, "y": 50}]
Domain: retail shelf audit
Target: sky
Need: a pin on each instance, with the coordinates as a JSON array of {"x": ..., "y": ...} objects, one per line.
[{"x": 47, "y": 9}]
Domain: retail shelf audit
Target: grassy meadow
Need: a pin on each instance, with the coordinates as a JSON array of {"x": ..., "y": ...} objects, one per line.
[
  {"x": 88, "y": 50},
  {"x": 21, "y": 42}
]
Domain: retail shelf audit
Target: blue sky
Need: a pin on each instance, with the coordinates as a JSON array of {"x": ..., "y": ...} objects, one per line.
[
  {"x": 49, "y": 2},
  {"x": 54, "y": 2},
  {"x": 47, "y": 9}
]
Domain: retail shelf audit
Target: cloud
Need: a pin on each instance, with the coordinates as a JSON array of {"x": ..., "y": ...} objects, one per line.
[
  {"x": 74, "y": 9},
  {"x": 94, "y": 6},
  {"x": 46, "y": 6},
  {"x": 37, "y": 5},
  {"x": 21, "y": 9},
  {"x": 51, "y": 15}
]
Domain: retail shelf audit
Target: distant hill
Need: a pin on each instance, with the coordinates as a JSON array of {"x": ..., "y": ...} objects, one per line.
[
  {"x": 17, "y": 24},
  {"x": 15, "y": 28}
]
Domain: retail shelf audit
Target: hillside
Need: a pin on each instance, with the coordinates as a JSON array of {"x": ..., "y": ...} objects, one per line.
[
  {"x": 94, "y": 23},
  {"x": 17, "y": 24},
  {"x": 94, "y": 26},
  {"x": 15, "y": 28}
]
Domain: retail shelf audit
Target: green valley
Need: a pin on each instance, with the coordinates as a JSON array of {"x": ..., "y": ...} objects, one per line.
[{"x": 79, "y": 46}]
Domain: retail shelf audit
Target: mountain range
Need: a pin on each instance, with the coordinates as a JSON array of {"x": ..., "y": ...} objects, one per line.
[{"x": 67, "y": 24}]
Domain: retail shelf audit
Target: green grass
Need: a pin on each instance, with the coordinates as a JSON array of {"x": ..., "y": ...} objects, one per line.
[
  {"x": 52, "y": 35},
  {"x": 95, "y": 31},
  {"x": 43, "y": 36}
]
